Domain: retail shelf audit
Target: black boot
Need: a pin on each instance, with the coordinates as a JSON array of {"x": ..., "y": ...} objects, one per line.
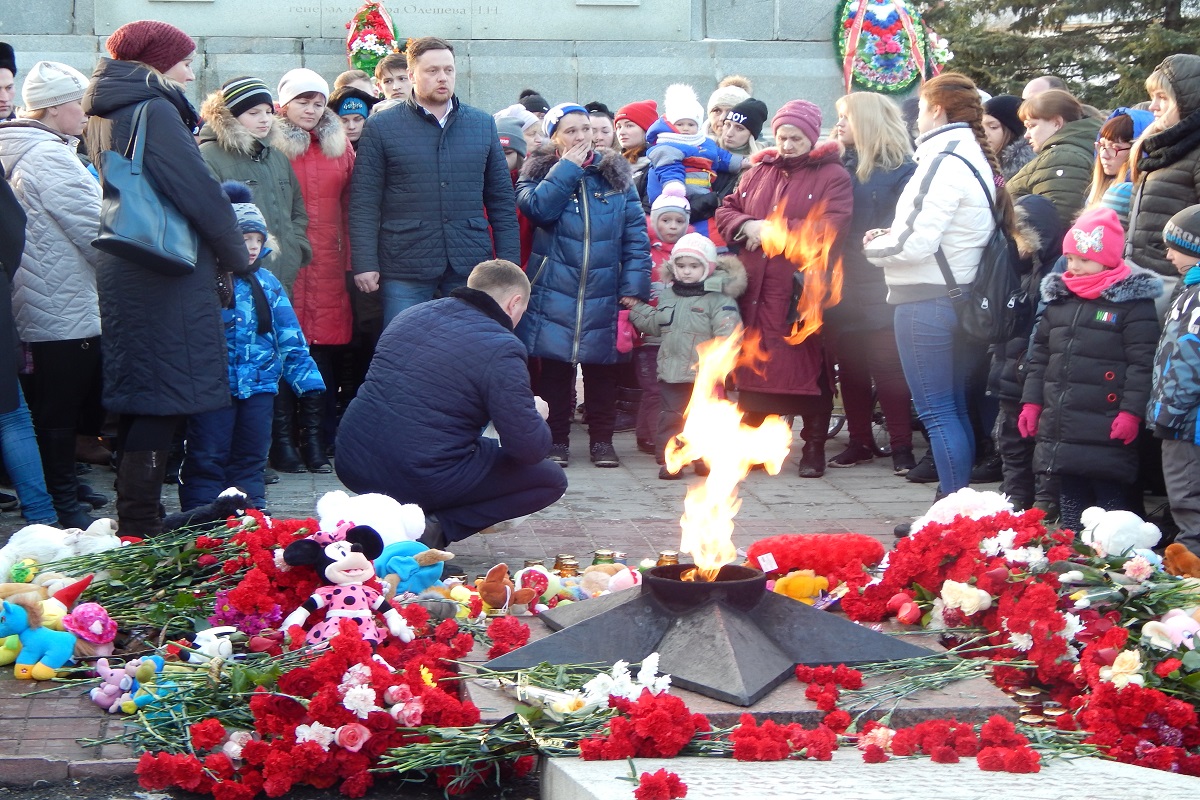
[
  {"x": 90, "y": 496},
  {"x": 812, "y": 460},
  {"x": 139, "y": 489},
  {"x": 284, "y": 457},
  {"x": 312, "y": 408},
  {"x": 58, "y": 464}
]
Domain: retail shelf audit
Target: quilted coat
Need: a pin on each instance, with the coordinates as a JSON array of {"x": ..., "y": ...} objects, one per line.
[
  {"x": 815, "y": 181},
  {"x": 441, "y": 372},
  {"x": 323, "y": 160},
  {"x": 54, "y": 291},
  {"x": 257, "y": 361},
  {"x": 589, "y": 250},
  {"x": 1089, "y": 360},
  {"x": 1168, "y": 170},
  {"x": 163, "y": 341},
  {"x": 234, "y": 154},
  {"x": 1175, "y": 393},
  {"x": 426, "y": 198},
  {"x": 1062, "y": 170}
]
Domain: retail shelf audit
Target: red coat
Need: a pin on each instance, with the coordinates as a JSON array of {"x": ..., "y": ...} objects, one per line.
[
  {"x": 323, "y": 160},
  {"x": 805, "y": 181},
  {"x": 525, "y": 225}
]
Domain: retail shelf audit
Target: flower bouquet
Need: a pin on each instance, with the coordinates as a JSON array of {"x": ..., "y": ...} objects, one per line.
[{"x": 372, "y": 36}]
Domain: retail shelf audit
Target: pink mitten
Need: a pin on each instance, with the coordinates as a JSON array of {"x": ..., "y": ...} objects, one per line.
[
  {"x": 626, "y": 333},
  {"x": 1125, "y": 427},
  {"x": 1027, "y": 422}
]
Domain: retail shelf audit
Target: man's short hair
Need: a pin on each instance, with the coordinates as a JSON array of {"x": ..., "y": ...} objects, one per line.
[
  {"x": 1053, "y": 81},
  {"x": 419, "y": 47},
  {"x": 392, "y": 62},
  {"x": 350, "y": 76},
  {"x": 498, "y": 278}
]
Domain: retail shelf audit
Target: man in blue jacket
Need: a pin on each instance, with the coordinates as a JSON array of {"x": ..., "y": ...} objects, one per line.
[
  {"x": 431, "y": 195},
  {"x": 442, "y": 371}
]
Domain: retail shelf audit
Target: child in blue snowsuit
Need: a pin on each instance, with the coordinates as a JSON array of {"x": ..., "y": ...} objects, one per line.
[{"x": 228, "y": 447}]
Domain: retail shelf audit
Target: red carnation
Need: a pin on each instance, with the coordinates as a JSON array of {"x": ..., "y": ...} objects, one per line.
[
  {"x": 207, "y": 734},
  {"x": 1165, "y": 668},
  {"x": 837, "y": 721},
  {"x": 944, "y": 755},
  {"x": 661, "y": 785},
  {"x": 874, "y": 754}
]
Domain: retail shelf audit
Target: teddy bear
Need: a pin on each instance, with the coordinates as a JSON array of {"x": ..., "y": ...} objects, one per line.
[
  {"x": 43, "y": 544},
  {"x": 343, "y": 559},
  {"x": 498, "y": 593},
  {"x": 1180, "y": 561},
  {"x": 1177, "y": 628},
  {"x": 1116, "y": 533},
  {"x": 803, "y": 585},
  {"x": 115, "y": 684},
  {"x": 229, "y": 503}
]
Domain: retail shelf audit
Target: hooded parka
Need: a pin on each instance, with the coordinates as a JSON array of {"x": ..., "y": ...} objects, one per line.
[{"x": 1062, "y": 170}]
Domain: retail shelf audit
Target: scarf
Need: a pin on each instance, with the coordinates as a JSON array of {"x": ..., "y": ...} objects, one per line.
[
  {"x": 1090, "y": 287},
  {"x": 1192, "y": 277}
]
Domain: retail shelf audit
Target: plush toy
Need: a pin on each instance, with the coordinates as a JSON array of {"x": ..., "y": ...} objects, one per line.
[
  {"x": 212, "y": 643},
  {"x": 627, "y": 578},
  {"x": 10, "y": 648},
  {"x": 1177, "y": 628},
  {"x": 392, "y": 520},
  {"x": 1117, "y": 533},
  {"x": 149, "y": 689},
  {"x": 42, "y": 544},
  {"x": 410, "y": 567},
  {"x": 497, "y": 592},
  {"x": 43, "y": 650},
  {"x": 229, "y": 503},
  {"x": 343, "y": 559},
  {"x": 1178, "y": 560},
  {"x": 115, "y": 686},
  {"x": 91, "y": 623},
  {"x": 803, "y": 585}
]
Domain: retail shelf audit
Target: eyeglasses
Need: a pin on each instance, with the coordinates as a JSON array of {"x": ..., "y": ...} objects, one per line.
[{"x": 1105, "y": 146}]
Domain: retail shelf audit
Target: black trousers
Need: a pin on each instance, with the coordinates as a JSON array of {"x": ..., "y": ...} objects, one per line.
[
  {"x": 65, "y": 375},
  {"x": 556, "y": 384},
  {"x": 674, "y": 398},
  {"x": 1078, "y": 493},
  {"x": 146, "y": 433},
  {"x": 1022, "y": 485},
  {"x": 508, "y": 491}
]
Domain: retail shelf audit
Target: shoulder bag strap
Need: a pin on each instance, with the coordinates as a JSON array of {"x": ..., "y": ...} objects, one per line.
[
  {"x": 955, "y": 291},
  {"x": 136, "y": 149}
]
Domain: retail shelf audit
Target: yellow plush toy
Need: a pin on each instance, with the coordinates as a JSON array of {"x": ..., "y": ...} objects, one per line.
[{"x": 803, "y": 585}]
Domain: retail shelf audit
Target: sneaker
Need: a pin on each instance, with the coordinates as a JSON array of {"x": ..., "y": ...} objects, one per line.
[
  {"x": 560, "y": 454},
  {"x": 902, "y": 460},
  {"x": 646, "y": 446},
  {"x": 925, "y": 471},
  {"x": 989, "y": 470},
  {"x": 625, "y": 422},
  {"x": 665, "y": 474},
  {"x": 270, "y": 477},
  {"x": 604, "y": 455},
  {"x": 854, "y": 453},
  {"x": 9, "y": 502}
]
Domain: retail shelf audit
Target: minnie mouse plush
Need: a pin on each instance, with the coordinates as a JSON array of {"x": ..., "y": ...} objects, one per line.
[{"x": 344, "y": 559}]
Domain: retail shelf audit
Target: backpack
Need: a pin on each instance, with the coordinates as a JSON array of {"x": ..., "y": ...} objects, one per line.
[{"x": 997, "y": 304}]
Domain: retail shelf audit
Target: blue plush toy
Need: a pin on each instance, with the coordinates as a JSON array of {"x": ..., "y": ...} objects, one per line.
[
  {"x": 43, "y": 650},
  {"x": 410, "y": 566}
]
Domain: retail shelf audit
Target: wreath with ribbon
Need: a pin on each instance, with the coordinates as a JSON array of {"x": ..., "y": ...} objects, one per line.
[
  {"x": 883, "y": 46},
  {"x": 372, "y": 36}
]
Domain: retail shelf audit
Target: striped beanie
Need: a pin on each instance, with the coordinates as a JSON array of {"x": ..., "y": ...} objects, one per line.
[
  {"x": 1182, "y": 232},
  {"x": 243, "y": 94}
]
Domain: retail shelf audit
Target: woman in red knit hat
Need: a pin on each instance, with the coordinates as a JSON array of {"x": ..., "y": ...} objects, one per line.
[{"x": 630, "y": 124}]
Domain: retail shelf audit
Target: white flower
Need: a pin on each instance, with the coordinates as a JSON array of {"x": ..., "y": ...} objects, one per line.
[
  {"x": 1074, "y": 626},
  {"x": 648, "y": 675},
  {"x": 360, "y": 700},
  {"x": 1071, "y": 576},
  {"x": 237, "y": 741},
  {"x": 937, "y": 620},
  {"x": 997, "y": 544},
  {"x": 1125, "y": 670},
  {"x": 1021, "y": 641},
  {"x": 1035, "y": 557},
  {"x": 966, "y": 598},
  {"x": 280, "y": 564},
  {"x": 357, "y": 675},
  {"x": 316, "y": 732},
  {"x": 964, "y": 503},
  {"x": 618, "y": 683}
]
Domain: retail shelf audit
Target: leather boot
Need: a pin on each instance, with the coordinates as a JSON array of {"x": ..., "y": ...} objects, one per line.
[
  {"x": 812, "y": 460},
  {"x": 284, "y": 457},
  {"x": 139, "y": 489},
  {"x": 312, "y": 408},
  {"x": 57, "y": 446}
]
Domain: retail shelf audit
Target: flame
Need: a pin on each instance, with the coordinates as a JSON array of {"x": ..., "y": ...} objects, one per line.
[
  {"x": 714, "y": 432},
  {"x": 809, "y": 244}
]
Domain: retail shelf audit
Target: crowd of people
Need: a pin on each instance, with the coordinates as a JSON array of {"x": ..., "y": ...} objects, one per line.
[{"x": 361, "y": 241}]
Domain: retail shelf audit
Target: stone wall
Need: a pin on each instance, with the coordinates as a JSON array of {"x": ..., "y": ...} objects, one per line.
[{"x": 610, "y": 50}]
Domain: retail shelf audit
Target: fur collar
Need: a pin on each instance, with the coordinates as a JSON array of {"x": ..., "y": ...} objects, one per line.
[
  {"x": 1015, "y": 155},
  {"x": 1164, "y": 149},
  {"x": 608, "y": 164},
  {"x": 294, "y": 142},
  {"x": 729, "y": 277},
  {"x": 826, "y": 153},
  {"x": 1142, "y": 284},
  {"x": 222, "y": 127}
]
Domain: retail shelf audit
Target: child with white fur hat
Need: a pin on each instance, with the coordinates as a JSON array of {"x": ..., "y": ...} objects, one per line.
[{"x": 698, "y": 304}]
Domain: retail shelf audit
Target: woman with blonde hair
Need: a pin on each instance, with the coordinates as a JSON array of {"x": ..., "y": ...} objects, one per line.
[{"x": 878, "y": 156}]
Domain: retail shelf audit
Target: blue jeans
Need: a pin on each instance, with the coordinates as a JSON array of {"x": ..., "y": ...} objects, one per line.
[
  {"x": 399, "y": 294},
  {"x": 227, "y": 447},
  {"x": 24, "y": 464},
  {"x": 936, "y": 357}
]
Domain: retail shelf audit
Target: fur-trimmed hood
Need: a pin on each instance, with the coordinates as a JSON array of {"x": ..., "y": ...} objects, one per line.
[
  {"x": 609, "y": 164},
  {"x": 825, "y": 153},
  {"x": 729, "y": 278},
  {"x": 222, "y": 127},
  {"x": 1142, "y": 284},
  {"x": 294, "y": 141}
]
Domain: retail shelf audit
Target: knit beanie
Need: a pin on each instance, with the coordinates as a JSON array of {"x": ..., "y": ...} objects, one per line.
[
  {"x": 1004, "y": 108},
  {"x": 52, "y": 84},
  {"x": 249, "y": 218},
  {"x": 242, "y": 94},
  {"x": 520, "y": 113},
  {"x": 698, "y": 246},
  {"x": 533, "y": 102},
  {"x": 151, "y": 42},
  {"x": 751, "y": 114},
  {"x": 1182, "y": 232},
  {"x": 727, "y": 96},
  {"x": 348, "y": 100},
  {"x": 681, "y": 103},
  {"x": 643, "y": 113},
  {"x": 804, "y": 115},
  {"x": 672, "y": 199},
  {"x": 300, "y": 81},
  {"x": 555, "y": 115},
  {"x": 1097, "y": 236},
  {"x": 512, "y": 135},
  {"x": 8, "y": 58}
]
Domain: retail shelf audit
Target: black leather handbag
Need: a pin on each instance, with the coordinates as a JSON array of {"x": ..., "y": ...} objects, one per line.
[{"x": 136, "y": 222}]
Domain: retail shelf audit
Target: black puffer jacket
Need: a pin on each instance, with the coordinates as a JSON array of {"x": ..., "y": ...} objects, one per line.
[
  {"x": 441, "y": 372},
  {"x": 424, "y": 198},
  {"x": 163, "y": 339},
  {"x": 1168, "y": 170},
  {"x": 1091, "y": 359}
]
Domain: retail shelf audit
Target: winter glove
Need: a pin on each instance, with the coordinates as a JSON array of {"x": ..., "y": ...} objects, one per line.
[
  {"x": 1027, "y": 422},
  {"x": 1125, "y": 427},
  {"x": 626, "y": 333}
]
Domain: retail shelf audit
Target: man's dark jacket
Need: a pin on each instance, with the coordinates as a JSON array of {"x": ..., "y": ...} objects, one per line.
[
  {"x": 441, "y": 372},
  {"x": 424, "y": 198}
]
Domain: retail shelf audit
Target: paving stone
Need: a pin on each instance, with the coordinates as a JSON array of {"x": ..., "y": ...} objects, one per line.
[{"x": 25, "y": 770}]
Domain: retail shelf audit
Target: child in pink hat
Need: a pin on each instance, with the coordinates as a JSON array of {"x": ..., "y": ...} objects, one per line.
[{"x": 1089, "y": 368}]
